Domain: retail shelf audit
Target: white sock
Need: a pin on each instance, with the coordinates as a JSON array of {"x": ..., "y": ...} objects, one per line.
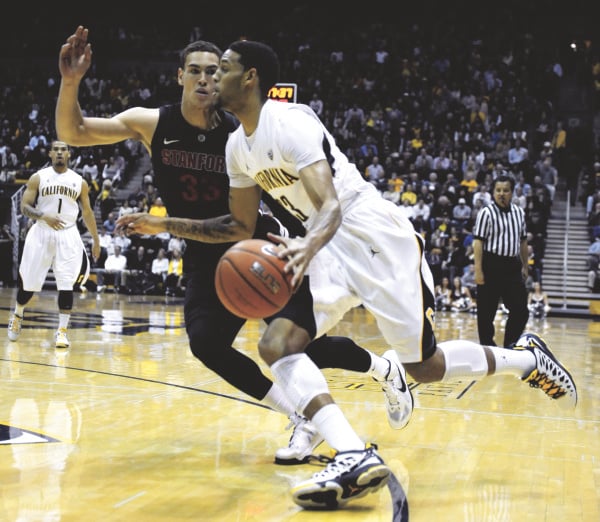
[
  {"x": 467, "y": 360},
  {"x": 277, "y": 401},
  {"x": 513, "y": 362},
  {"x": 19, "y": 310},
  {"x": 336, "y": 429},
  {"x": 63, "y": 320},
  {"x": 380, "y": 367}
]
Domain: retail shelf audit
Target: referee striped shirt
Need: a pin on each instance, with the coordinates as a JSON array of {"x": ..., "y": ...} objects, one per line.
[{"x": 501, "y": 231}]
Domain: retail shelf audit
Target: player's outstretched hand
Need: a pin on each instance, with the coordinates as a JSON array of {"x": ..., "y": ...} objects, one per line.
[
  {"x": 75, "y": 55},
  {"x": 141, "y": 223}
]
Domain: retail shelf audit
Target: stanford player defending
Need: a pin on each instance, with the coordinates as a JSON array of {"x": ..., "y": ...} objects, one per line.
[{"x": 186, "y": 142}]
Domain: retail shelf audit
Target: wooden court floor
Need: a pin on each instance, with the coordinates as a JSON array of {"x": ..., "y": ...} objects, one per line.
[{"x": 127, "y": 426}]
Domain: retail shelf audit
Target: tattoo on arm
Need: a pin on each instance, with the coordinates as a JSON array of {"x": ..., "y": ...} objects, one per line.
[
  {"x": 213, "y": 230},
  {"x": 31, "y": 212}
]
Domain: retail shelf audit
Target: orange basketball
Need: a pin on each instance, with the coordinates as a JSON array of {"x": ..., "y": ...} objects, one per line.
[{"x": 250, "y": 280}]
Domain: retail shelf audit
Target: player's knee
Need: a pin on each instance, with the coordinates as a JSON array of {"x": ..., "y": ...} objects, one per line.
[
  {"x": 65, "y": 299},
  {"x": 280, "y": 340},
  {"x": 206, "y": 349}
]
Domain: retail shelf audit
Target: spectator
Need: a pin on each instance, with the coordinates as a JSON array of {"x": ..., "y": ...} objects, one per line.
[
  {"x": 106, "y": 245},
  {"x": 125, "y": 208},
  {"x": 406, "y": 209},
  {"x": 548, "y": 175},
  {"x": 139, "y": 280},
  {"x": 105, "y": 202},
  {"x": 443, "y": 296},
  {"x": 461, "y": 300},
  {"x": 518, "y": 155},
  {"x": 174, "y": 279},
  {"x": 112, "y": 171},
  {"x": 176, "y": 243},
  {"x": 482, "y": 194},
  {"x": 468, "y": 280},
  {"x": 120, "y": 239},
  {"x": 537, "y": 302},
  {"x": 160, "y": 269},
  {"x": 115, "y": 266},
  {"x": 110, "y": 223},
  {"x": 316, "y": 104},
  {"x": 424, "y": 162},
  {"x": 461, "y": 214},
  {"x": 375, "y": 174}
]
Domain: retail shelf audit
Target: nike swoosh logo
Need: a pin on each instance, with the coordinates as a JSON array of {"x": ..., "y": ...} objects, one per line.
[{"x": 168, "y": 142}]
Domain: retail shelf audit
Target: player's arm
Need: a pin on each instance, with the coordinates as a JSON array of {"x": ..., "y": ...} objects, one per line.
[
  {"x": 524, "y": 252},
  {"x": 317, "y": 180},
  {"x": 71, "y": 126},
  {"x": 87, "y": 214},
  {"x": 28, "y": 205},
  {"x": 478, "y": 261},
  {"x": 240, "y": 224},
  {"x": 29, "y": 196}
]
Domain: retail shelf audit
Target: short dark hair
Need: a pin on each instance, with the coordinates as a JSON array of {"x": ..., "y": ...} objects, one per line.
[
  {"x": 263, "y": 58},
  {"x": 503, "y": 179},
  {"x": 199, "y": 46}
]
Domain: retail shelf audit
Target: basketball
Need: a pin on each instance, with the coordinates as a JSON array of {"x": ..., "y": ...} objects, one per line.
[{"x": 250, "y": 280}]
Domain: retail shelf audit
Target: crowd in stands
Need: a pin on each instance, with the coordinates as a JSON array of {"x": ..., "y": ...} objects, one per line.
[{"x": 430, "y": 112}]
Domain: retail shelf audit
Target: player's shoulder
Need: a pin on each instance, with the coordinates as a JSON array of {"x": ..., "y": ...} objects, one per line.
[{"x": 228, "y": 120}]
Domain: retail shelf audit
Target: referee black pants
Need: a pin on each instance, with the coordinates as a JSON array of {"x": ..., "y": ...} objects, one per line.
[{"x": 503, "y": 281}]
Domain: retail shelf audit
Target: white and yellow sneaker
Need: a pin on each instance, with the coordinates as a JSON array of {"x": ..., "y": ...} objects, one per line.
[
  {"x": 14, "y": 327},
  {"x": 60, "y": 338}
]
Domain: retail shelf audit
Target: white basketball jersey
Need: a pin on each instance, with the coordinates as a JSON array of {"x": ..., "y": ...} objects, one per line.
[
  {"x": 59, "y": 193},
  {"x": 288, "y": 138}
]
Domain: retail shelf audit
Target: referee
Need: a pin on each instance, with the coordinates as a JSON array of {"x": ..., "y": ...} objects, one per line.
[{"x": 500, "y": 249}]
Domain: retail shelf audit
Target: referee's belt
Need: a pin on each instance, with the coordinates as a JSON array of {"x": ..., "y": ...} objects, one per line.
[{"x": 499, "y": 257}]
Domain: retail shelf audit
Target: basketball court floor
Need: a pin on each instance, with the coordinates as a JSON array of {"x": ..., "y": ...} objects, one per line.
[{"x": 126, "y": 425}]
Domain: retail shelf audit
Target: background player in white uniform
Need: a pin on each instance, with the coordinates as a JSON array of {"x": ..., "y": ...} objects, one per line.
[{"x": 52, "y": 198}]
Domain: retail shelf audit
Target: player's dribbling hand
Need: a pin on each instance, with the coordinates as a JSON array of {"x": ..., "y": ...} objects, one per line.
[{"x": 298, "y": 253}]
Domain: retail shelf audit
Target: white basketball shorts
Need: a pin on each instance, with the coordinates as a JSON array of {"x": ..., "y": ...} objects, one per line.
[
  {"x": 375, "y": 259},
  {"x": 61, "y": 250}
]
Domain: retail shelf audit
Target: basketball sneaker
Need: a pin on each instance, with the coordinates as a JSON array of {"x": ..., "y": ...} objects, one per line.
[
  {"x": 305, "y": 438},
  {"x": 549, "y": 374},
  {"x": 349, "y": 475},
  {"x": 60, "y": 338},
  {"x": 14, "y": 327},
  {"x": 398, "y": 397}
]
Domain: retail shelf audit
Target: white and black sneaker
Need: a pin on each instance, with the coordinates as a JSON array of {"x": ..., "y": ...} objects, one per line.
[
  {"x": 399, "y": 401},
  {"x": 549, "y": 374},
  {"x": 305, "y": 438},
  {"x": 349, "y": 475}
]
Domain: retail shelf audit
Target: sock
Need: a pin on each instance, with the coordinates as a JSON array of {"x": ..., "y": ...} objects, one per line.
[
  {"x": 336, "y": 430},
  {"x": 513, "y": 362},
  {"x": 277, "y": 401},
  {"x": 380, "y": 367},
  {"x": 19, "y": 310},
  {"x": 63, "y": 320}
]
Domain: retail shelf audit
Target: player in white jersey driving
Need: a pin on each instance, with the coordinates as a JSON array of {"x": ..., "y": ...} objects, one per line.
[
  {"x": 358, "y": 249},
  {"x": 52, "y": 199}
]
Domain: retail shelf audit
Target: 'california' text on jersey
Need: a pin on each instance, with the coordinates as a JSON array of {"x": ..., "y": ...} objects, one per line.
[{"x": 288, "y": 138}]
